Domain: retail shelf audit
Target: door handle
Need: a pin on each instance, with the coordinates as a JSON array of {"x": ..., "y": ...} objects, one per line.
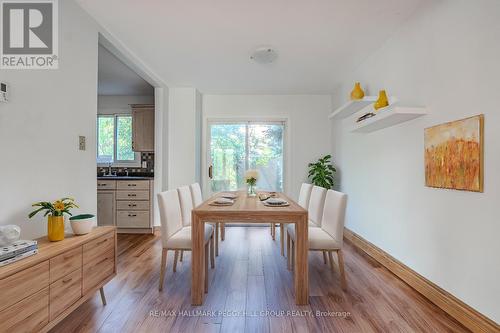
[{"x": 210, "y": 171}]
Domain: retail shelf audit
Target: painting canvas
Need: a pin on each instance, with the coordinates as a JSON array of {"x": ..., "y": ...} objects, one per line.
[{"x": 454, "y": 155}]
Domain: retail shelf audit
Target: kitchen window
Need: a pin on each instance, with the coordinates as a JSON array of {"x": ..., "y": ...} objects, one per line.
[{"x": 114, "y": 140}]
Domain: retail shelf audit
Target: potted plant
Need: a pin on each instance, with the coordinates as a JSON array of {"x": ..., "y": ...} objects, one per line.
[
  {"x": 251, "y": 177},
  {"x": 55, "y": 212},
  {"x": 82, "y": 224},
  {"x": 321, "y": 173}
]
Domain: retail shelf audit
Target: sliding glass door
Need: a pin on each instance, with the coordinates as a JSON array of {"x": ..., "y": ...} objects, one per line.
[{"x": 235, "y": 147}]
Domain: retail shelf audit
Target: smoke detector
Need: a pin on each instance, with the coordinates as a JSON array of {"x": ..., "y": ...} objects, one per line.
[{"x": 264, "y": 55}]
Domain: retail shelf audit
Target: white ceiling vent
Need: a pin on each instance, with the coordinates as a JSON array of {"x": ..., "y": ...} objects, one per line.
[{"x": 264, "y": 55}]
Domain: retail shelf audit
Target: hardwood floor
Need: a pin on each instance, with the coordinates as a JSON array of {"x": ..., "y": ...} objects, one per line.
[{"x": 251, "y": 276}]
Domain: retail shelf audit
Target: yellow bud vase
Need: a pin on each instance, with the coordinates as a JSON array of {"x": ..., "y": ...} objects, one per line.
[
  {"x": 357, "y": 92},
  {"x": 382, "y": 100},
  {"x": 55, "y": 228}
]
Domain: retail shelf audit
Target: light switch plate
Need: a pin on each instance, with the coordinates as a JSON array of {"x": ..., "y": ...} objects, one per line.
[{"x": 81, "y": 142}]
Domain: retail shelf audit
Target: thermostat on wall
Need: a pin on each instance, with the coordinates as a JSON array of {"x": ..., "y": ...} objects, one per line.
[{"x": 3, "y": 92}]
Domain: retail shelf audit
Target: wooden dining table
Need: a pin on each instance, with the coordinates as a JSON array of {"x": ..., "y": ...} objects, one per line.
[{"x": 247, "y": 209}]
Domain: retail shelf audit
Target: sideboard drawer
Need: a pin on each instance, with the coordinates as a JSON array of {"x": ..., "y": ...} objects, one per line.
[
  {"x": 133, "y": 185},
  {"x": 106, "y": 184},
  {"x": 98, "y": 270},
  {"x": 65, "y": 263},
  {"x": 132, "y": 205},
  {"x": 94, "y": 250},
  {"x": 132, "y": 219},
  {"x": 132, "y": 195},
  {"x": 29, "y": 315},
  {"x": 24, "y": 283},
  {"x": 64, "y": 292}
]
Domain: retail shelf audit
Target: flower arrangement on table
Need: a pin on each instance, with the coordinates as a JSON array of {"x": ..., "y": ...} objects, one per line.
[
  {"x": 251, "y": 177},
  {"x": 55, "y": 212}
]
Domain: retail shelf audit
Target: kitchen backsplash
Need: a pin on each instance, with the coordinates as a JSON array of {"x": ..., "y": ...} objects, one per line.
[{"x": 148, "y": 171}]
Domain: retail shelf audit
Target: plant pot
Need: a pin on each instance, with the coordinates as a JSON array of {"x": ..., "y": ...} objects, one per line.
[
  {"x": 82, "y": 224},
  {"x": 55, "y": 228}
]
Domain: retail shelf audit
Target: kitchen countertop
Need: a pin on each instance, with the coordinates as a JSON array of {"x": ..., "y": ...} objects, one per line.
[{"x": 124, "y": 178}]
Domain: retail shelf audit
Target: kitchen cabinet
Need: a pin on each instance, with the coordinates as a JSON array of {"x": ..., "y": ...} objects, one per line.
[
  {"x": 143, "y": 127},
  {"x": 126, "y": 204},
  {"x": 106, "y": 207}
]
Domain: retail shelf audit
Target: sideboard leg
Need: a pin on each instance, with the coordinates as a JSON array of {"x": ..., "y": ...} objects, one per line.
[{"x": 103, "y": 297}]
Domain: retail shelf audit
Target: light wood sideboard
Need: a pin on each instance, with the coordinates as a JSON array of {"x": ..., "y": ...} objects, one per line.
[{"x": 38, "y": 292}]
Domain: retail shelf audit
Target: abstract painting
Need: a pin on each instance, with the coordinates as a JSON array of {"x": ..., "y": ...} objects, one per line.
[{"x": 454, "y": 155}]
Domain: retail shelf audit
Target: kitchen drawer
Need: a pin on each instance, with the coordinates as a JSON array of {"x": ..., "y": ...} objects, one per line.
[
  {"x": 98, "y": 270},
  {"x": 22, "y": 284},
  {"x": 133, "y": 185},
  {"x": 132, "y": 195},
  {"x": 132, "y": 219},
  {"x": 29, "y": 315},
  {"x": 132, "y": 205},
  {"x": 65, "y": 263},
  {"x": 106, "y": 184},
  {"x": 93, "y": 250},
  {"x": 64, "y": 292}
]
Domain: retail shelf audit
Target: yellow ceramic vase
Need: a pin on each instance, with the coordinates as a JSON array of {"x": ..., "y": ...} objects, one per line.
[
  {"x": 55, "y": 228},
  {"x": 357, "y": 92},
  {"x": 382, "y": 100}
]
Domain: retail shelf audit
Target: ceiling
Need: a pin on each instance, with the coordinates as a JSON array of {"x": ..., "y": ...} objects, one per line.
[
  {"x": 115, "y": 78},
  {"x": 207, "y": 44}
]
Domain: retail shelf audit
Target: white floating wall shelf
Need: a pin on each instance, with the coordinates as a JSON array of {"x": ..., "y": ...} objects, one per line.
[
  {"x": 387, "y": 117},
  {"x": 352, "y": 107}
]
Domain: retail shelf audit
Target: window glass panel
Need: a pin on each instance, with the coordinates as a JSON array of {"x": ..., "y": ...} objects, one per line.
[
  {"x": 105, "y": 135},
  {"x": 227, "y": 151},
  {"x": 265, "y": 154},
  {"x": 124, "y": 150}
]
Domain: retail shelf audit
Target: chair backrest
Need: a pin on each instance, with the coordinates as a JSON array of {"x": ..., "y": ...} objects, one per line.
[
  {"x": 305, "y": 195},
  {"x": 186, "y": 204},
  {"x": 170, "y": 214},
  {"x": 196, "y": 194},
  {"x": 316, "y": 203},
  {"x": 334, "y": 214}
]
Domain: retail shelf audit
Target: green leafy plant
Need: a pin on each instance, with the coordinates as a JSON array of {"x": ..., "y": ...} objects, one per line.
[
  {"x": 56, "y": 208},
  {"x": 321, "y": 173}
]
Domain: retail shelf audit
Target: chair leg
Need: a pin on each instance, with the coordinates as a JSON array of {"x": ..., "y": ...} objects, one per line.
[
  {"x": 324, "y": 257},
  {"x": 293, "y": 255},
  {"x": 343, "y": 281},
  {"x": 330, "y": 256},
  {"x": 282, "y": 238},
  {"x": 206, "y": 267},
  {"x": 212, "y": 252},
  {"x": 288, "y": 253},
  {"x": 176, "y": 257},
  {"x": 182, "y": 256},
  {"x": 273, "y": 231},
  {"x": 217, "y": 226},
  {"x": 222, "y": 231},
  {"x": 163, "y": 267},
  {"x": 103, "y": 297}
]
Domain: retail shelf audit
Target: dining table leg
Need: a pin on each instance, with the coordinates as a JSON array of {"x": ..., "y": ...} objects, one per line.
[
  {"x": 197, "y": 260},
  {"x": 301, "y": 271}
]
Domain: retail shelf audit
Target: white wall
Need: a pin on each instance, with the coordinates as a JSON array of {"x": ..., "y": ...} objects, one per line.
[
  {"x": 447, "y": 59},
  {"x": 112, "y": 104},
  {"x": 306, "y": 116},
  {"x": 182, "y": 136},
  {"x": 40, "y": 125}
]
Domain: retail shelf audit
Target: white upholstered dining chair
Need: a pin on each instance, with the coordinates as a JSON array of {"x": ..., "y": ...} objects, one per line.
[
  {"x": 303, "y": 201},
  {"x": 177, "y": 237},
  {"x": 197, "y": 197},
  {"x": 329, "y": 236}
]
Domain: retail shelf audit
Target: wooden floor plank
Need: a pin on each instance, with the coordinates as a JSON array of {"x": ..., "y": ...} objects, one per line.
[{"x": 250, "y": 276}]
